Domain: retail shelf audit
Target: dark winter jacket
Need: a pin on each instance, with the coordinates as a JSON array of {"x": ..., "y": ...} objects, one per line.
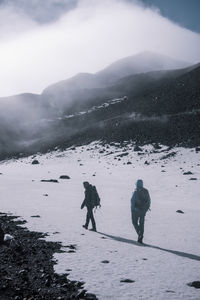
[
  {"x": 134, "y": 199},
  {"x": 88, "y": 198}
]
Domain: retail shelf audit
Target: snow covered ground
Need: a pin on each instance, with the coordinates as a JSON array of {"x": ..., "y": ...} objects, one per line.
[{"x": 170, "y": 257}]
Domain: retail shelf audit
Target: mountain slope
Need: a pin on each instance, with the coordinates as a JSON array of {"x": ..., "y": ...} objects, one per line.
[
  {"x": 67, "y": 91},
  {"x": 140, "y": 63},
  {"x": 158, "y": 106}
]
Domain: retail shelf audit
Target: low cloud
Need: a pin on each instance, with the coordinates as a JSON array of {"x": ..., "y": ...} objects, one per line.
[{"x": 85, "y": 38}]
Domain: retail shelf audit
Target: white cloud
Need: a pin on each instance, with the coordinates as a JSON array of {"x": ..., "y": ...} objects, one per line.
[{"x": 85, "y": 39}]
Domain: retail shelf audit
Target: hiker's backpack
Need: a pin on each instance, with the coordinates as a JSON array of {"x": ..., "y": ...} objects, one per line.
[
  {"x": 95, "y": 197},
  {"x": 142, "y": 200}
]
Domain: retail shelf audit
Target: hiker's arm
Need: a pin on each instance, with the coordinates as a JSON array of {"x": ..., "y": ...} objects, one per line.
[
  {"x": 133, "y": 201},
  {"x": 149, "y": 200},
  {"x": 83, "y": 204}
]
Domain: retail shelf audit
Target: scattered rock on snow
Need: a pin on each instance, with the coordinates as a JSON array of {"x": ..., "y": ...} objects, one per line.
[
  {"x": 187, "y": 173},
  {"x": 90, "y": 296},
  {"x": 71, "y": 251},
  {"x": 64, "y": 177},
  {"x": 195, "y": 284},
  {"x": 157, "y": 146},
  {"x": 72, "y": 247},
  {"x": 172, "y": 154},
  {"x": 127, "y": 280},
  {"x": 122, "y": 154},
  {"x": 49, "y": 180},
  {"x": 193, "y": 178},
  {"x": 35, "y": 162},
  {"x": 105, "y": 261},
  {"x": 180, "y": 211},
  {"x": 36, "y": 216},
  {"x": 137, "y": 148}
]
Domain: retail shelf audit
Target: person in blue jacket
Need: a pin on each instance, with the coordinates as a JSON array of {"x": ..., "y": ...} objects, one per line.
[{"x": 140, "y": 204}]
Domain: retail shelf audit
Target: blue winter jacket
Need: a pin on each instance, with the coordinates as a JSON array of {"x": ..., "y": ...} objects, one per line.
[{"x": 139, "y": 185}]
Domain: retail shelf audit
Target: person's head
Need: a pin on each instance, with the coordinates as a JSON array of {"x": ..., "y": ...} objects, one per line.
[
  {"x": 139, "y": 183},
  {"x": 86, "y": 184}
]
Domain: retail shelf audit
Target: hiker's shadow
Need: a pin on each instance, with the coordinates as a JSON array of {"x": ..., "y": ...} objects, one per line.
[{"x": 127, "y": 241}]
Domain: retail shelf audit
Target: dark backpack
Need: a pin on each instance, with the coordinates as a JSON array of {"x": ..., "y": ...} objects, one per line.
[
  {"x": 142, "y": 201},
  {"x": 95, "y": 197}
]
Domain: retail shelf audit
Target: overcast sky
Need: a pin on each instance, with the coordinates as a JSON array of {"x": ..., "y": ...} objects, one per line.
[{"x": 45, "y": 41}]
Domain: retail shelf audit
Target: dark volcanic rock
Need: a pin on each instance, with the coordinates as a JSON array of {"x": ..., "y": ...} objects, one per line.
[
  {"x": 49, "y": 180},
  {"x": 137, "y": 148},
  {"x": 73, "y": 247},
  {"x": 90, "y": 296},
  {"x": 1, "y": 235},
  {"x": 64, "y": 177},
  {"x": 127, "y": 280},
  {"x": 122, "y": 154},
  {"x": 171, "y": 154},
  {"x": 195, "y": 284},
  {"x": 105, "y": 261},
  {"x": 35, "y": 162},
  {"x": 187, "y": 173},
  {"x": 157, "y": 146},
  {"x": 27, "y": 267},
  {"x": 180, "y": 211}
]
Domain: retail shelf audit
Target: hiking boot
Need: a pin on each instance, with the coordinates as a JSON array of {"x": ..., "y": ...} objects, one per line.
[
  {"x": 93, "y": 229},
  {"x": 84, "y": 226},
  {"x": 140, "y": 240}
]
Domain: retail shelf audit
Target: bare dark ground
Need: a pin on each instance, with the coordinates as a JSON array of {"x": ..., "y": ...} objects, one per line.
[{"x": 26, "y": 267}]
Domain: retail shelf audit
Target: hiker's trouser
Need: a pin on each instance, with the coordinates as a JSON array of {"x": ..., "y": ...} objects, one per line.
[
  {"x": 89, "y": 217},
  {"x": 138, "y": 219}
]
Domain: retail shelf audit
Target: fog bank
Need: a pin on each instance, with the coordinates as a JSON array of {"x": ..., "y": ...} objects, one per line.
[{"x": 84, "y": 39}]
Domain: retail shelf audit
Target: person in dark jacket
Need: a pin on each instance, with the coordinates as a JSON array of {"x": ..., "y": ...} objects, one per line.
[
  {"x": 89, "y": 205},
  {"x": 140, "y": 204}
]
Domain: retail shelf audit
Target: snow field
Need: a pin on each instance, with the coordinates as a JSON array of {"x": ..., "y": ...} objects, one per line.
[{"x": 162, "y": 268}]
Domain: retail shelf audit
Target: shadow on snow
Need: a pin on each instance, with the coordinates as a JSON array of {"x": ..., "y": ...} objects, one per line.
[{"x": 124, "y": 240}]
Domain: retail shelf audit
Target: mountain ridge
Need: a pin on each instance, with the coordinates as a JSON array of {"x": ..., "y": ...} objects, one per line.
[{"x": 152, "y": 107}]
